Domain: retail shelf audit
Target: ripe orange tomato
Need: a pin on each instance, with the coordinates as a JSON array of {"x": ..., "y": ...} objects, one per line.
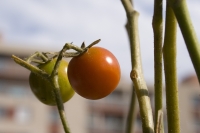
[
  {"x": 43, "y": 90},
  {"x": 94, "y": 74}
]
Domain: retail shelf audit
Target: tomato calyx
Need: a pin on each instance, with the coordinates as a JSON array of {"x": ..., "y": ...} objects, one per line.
[
  {"x": 79, "y": 50},
  {"x": 39, "y": 58}
]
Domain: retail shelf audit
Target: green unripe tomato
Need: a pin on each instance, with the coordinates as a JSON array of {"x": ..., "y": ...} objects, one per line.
[{"x": 43, "y": 90}]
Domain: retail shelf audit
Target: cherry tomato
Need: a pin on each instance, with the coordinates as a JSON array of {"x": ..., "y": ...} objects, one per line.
[
  {"x": 44, "y": 91},
  {"x": 94, "y": 74}
]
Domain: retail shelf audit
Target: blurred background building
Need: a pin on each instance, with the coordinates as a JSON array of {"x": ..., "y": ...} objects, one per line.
[{"x": 21, "y": 112}]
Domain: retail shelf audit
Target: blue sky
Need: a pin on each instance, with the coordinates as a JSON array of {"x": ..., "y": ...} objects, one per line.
[{"x": 50, "y": 24}]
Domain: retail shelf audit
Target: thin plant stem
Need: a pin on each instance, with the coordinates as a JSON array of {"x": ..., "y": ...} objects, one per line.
[
  {"x": 61, "y": 109},
  {"x": 37, "y": 54},
  {"x": 182, "y": 15},
  {"x": 59, "y": 103},
  {"x": 169, "y": 54},
  {"x": 136, "y": 73},
  {"x": 131, "y": 113},
  {"x": 30, "y": 67},
  {"x": 132, "y": 108},
  {"x": 157, "y": 24},
  {"x": 159, "y": 124}
]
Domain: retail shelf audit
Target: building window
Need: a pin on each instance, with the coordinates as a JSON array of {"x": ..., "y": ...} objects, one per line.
[
  {"x": 23, "y": 114},
  {"x": 115, "y": 97},
  {"x": 14, "y": 89},
  {"x": 114, "y": 122},
  {"x": 19, "y": 114}
]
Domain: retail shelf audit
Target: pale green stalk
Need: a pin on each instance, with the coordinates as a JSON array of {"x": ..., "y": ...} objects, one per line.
[
  {"x": 131, "y": 112},
  {"x": 158, "y": 38},
  {"x": 169, "y": 54},
  {"x": 182, "y": 15},
  {"x": 136, "y": 73}
]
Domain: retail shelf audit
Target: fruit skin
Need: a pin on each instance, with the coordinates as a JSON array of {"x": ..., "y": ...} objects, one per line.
[
  {"x": 43, "y": 90},
  {"x": 94, "y": 74}
]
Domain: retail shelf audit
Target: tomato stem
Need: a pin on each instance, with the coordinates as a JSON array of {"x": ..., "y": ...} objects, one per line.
[
  {"x": 159, "y": 122},
  {"x": 42, "y": 58},
  {"x": 93, "y": 43},
  {"x": 136, "y": 73},
  {"x": 72, "y": 46},
  {"x": 157, "y": 24},
  {"x": 169, "y": 56},
  {"x": 181, "y": 12},
  {"x": 68, "y": 46},
  {"x": 30, "y": 67},
  {"x": 54, "y": 78},
  {"x": 132, "y": 107},
  {"x": 60, "y": 105},
  {"x": 131, "y": 113}
]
